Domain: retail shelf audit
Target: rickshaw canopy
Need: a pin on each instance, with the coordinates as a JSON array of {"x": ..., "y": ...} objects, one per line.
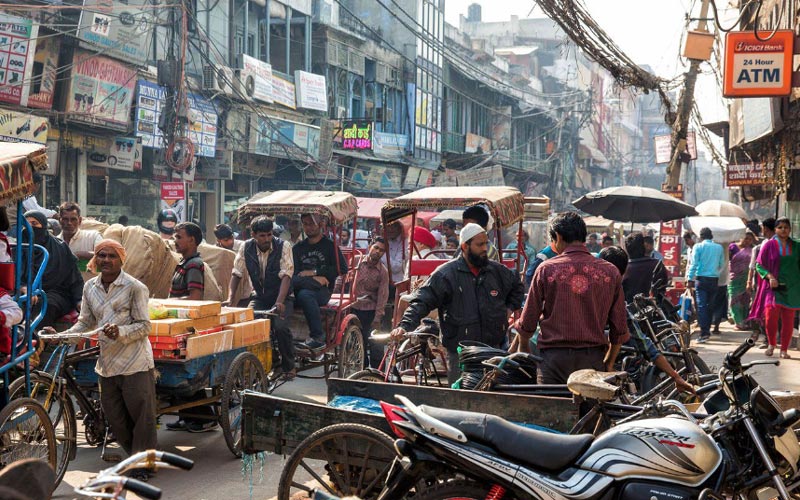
[
  {"x": 337, "y": 206},
  {"x": 370, "y": 208},
  {"x": 18, "y": 162},
  {"x": 506, "y": 204}
]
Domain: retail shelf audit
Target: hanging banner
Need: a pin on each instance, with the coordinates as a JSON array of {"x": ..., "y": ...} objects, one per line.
[
  {"x": 283, "y": 92},
  {"x": 119, "y": 153},
  {"x": 261, "y": 73},
  {"x": 101, "y": 91},
  {"x": 749, "y": 174},
  {"x": 663, "y": 147},
  {"x": 669, "y": 244},
  {"x": 17, "y": 48},
  {"x": 312, "y": 92},
  {"x": 389, "y": 145},
  {"x": 117, "y": 29},
  {"x": 23, "y": 127},
  {"x": 202, "y": 119},
  {"x": 43, "y": 77},
  {"x": 756, "y": 67}
]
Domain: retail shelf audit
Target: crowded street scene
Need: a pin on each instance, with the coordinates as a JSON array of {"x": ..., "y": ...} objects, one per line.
[{"x": 396, "y": 249}]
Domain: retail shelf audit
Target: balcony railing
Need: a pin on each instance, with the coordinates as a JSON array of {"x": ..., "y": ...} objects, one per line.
[{"x": 454, "y": 143}]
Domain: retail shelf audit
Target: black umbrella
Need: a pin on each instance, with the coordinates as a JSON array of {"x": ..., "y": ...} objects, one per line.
[{"x": 634, "y": 204}]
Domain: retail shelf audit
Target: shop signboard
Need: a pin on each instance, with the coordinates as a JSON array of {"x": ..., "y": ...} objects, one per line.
[
  {"x": 23, "y": 127},
  {"x": 375, "y": 177},
  {"x": 262, "y": 77},
  {"x": 748, "y": 174},
  {"x": 669, "y": 243},
  {"x": 202, "y": 119},
  {"x": 256, "y": 166},
  {"x": 417, "y": 178},
  {"x": 663, "y": 145},
  {"x": 758, "y": 66},
  {"x": 475, "y": 142},
  {"x": 285, "y": 139},
  {"x": 357, "y": 135},
  {"x": 486, "y": 176},
  {"x": 389, "y": 145},
  {"x": 43, "y": 76},
  {"x": 312, "y": 92},
  {"x": 119, "y": 153},
  {"x": 448, "y": 178},
  {"x": 173, "y": 196},
  {"x": 101, "y": 91},
  {"x": 219, "y": 167},
  {"x": 17, "y": 48},
  {"x": 283, "y": 92},
  {"x": 117, "y": 29}
]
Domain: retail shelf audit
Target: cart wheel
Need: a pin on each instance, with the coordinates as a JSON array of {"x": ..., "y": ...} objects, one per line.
[
  {"x": 61, "y": 412},
  {"x": 244, "y": 373},
  {"x": 342, "y": 459},
  {"x": 26, "y": 432},
  {"x": 351, "y": 351}
]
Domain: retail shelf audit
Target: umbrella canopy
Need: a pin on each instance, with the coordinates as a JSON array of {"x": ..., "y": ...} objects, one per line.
[
  {"x": 633, "y": 204},
  {"x": 720, "y": 208},
  {"x": 725, "y": 229}
]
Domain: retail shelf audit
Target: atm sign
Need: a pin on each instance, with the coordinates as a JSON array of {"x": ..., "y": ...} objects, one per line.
[{"x": 755, "y": 68}]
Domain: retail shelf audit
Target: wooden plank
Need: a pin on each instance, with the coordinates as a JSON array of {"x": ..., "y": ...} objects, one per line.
[{"x": 552, "y": 412}]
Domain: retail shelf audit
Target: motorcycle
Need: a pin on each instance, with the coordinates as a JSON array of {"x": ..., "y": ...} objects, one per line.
[{"x": 745, "y": 448}]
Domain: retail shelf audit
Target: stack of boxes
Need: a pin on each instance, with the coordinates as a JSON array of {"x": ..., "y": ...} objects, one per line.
[{"x": 197, "y": 328}]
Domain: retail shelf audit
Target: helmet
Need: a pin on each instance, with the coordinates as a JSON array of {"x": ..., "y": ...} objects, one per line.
[{"x": 167, "y": 220}]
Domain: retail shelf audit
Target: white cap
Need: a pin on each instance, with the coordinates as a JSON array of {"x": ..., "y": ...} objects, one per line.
[{"x": 469, "y": 231}]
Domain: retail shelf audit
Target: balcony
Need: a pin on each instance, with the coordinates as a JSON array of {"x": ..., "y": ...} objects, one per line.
[{"x": 454, "y": 143}]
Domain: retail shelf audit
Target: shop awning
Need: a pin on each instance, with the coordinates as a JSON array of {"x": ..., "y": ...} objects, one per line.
[{"x": 591, "y": 152}]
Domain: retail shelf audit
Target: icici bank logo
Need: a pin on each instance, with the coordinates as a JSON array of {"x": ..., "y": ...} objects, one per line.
[{"x": 758, "y": 47}]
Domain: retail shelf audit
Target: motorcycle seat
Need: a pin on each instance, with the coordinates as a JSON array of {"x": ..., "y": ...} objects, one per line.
[{"x": 542, "y": 450}]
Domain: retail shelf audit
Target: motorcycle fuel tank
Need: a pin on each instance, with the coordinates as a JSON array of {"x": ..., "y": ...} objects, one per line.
[{"x": 666, "y": 449}]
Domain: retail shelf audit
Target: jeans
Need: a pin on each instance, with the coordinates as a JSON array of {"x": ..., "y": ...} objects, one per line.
[
  {"x": 706, "y": 292},
  {"x": 719, "y": 312},
  {"x": 280, "y": 329},
  {"x": 310, "y": 301}
]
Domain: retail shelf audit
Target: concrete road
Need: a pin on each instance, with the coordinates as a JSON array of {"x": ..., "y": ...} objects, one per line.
[{"x": 218, "y": 475}]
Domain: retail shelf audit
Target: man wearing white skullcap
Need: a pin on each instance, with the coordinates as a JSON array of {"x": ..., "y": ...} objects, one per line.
[{"x": 474, "y": 296}]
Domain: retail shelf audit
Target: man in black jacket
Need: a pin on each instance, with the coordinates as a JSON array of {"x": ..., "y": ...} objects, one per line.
[
  {"x": 474, "y": 296},
  {"x": 269, "y": 264}
]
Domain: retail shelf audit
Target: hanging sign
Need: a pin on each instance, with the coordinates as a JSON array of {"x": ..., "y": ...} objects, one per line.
[
  {"x": 283, "y": 92},
  {"x": 311, "y": 91},
  {"x": 43, "y": 85},
  {"x": 17, "y": 47},
  {"x": 261, "y": 73},
  {"x": 669, "y": 242},
  {"x": 357, "y": 135},
  {"x": 101, "y": 91},
  {"x": 755, "y": 68},
  {"x": 749, "y": 174},
  {"x": 664, "y": 147},
  {"x": 121, "y": 153},
  {"x": 118, "y": 29}
]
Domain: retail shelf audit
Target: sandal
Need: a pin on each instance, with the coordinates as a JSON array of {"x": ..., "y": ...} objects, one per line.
[
  {"x": 770, "y": 350},
  {"x": 785, "y": 355},
  {"x": 290, "y": 375}
]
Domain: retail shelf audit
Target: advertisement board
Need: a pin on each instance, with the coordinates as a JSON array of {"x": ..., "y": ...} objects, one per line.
[
  {"x": 663, "y": 147},
  {"x": 101, "y": 91},
  {"x": 417, "y": 178},
  {"x": 389, "y": 145},
  {"x": 17, "y": 47},
  {"x": 669, "y": 244},
  {"x": 758, "y": 66},
  {"x": 283, "y": 92},
  {"x": 312, "y": 92},
  {"x": 43, "y": 75},
  {"x": 118, "y": 29},
  {"x": 475, "y": 142},
  {"x": 375, "y": 177},
  {"x": 284, "y": 139},
  {"x": 119, "y": 153},
  {"x": 173, "y": 195},
  {"x": 486, "y": 176},
  {"x": 23, "y": 127},
  {"x": 202, "y": 119},
  {"x": 748, "y": 174},
  {"x": 262, "y": 77},
  {"x": 357, "y": 135}
]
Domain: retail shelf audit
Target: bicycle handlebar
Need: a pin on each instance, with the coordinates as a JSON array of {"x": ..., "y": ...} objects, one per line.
[
  {"x": 141, "y": 488},
  {"x": 112, "y": 477}
]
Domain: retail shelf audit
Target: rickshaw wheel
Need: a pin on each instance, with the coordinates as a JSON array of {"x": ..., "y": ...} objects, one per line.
[
  {"x": 351, "y": 351},
  {"x": 61, "y": 413},
  {"x": 245, "y": 373},
  {"x": 342, "y": 460},
  {"x": 26, "y": 432}
]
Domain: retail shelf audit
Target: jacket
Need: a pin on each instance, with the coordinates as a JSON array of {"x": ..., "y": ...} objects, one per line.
[
  {"x": 267, "y": 286},
  {"x": 470, "y": 307}
]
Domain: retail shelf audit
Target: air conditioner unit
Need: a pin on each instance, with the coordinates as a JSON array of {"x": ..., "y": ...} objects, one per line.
[
  {"x": 247, "y": 84},
  {"x": 341, "y": 112},
  {"x": 220, "y": 79}
]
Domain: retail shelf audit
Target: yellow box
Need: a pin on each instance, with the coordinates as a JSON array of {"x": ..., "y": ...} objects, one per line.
[
  {"x": 241, "y": 332},
  {"x": 240, "y": 314},
  {"x": 205, "y": 323},
  {"x": 226, "y": 318},
  {"x": 255, "y": 331},
  {"x": 198, "y": 308},
  {"x": 170, "y": 327},
  {"x": 203, "y": 345}
]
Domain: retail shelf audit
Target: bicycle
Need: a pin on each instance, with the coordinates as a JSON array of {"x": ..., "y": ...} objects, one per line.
[
  {"x": 416, "y": 355},
  {"x": 54, "y": 388},
  {"x": 110, "y": 483}
]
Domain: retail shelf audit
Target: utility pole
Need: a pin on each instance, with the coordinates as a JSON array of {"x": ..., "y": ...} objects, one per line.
[{"x": 680, "y": 126}]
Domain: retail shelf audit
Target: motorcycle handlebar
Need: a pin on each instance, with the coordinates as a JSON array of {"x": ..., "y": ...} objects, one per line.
[{"x": 733, "y": 360}]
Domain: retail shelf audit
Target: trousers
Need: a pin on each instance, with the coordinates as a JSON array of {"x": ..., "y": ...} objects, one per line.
[
  {"x": 706, "y": 293},
  {"x": 129, "y": 404},
  {"x": 280, "y": 329},
  {"x": 310, "y": 301},
  {"x": 774, "y": 314}
]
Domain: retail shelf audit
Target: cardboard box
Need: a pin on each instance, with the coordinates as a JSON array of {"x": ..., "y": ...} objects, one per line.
[
  {"x": 170, "y": 327},
  {"x": 205, "y": 323},
  {"x": 241, "y": 331},
  {"x": 240, "y": 314},
  {"x": 226, "y": 318},
  {"x": 168, "y": 343},
  {"x": 197, "y": 308},
  {"x": 252, "y": 332},
  {"x": 204, "y": 345}
]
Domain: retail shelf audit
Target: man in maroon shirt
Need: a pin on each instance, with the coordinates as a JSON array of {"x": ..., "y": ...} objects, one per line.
[{"x": 572, "y": 298}]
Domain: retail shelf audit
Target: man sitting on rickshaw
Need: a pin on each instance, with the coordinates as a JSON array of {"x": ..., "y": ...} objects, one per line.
[
  {"x": 317, "y": 262},
  {"x": 474, "y": 295}
]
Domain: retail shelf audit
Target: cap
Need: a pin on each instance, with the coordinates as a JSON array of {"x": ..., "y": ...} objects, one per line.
[{"x": 469, "y": 231}]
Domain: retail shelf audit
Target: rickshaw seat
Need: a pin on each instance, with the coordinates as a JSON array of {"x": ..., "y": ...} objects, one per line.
[
  {"x": 510, "y": 263},
  {"x": 338, "y": 300},
  {"x": 425, "y": 267}
]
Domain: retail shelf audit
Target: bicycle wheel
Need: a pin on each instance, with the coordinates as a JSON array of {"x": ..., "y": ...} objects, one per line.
[
  {"x": 699, "y": 363},
  {"x": 26, "y": 432},
  {"x": 369, "y": 375},
  {"x": 61, "y": 413},
  {"x": 245, "y": 373},
  {"x": 342, "y": 459}
]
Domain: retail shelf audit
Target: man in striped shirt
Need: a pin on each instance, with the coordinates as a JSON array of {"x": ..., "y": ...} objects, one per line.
[{"x": 117, "y": 303}]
